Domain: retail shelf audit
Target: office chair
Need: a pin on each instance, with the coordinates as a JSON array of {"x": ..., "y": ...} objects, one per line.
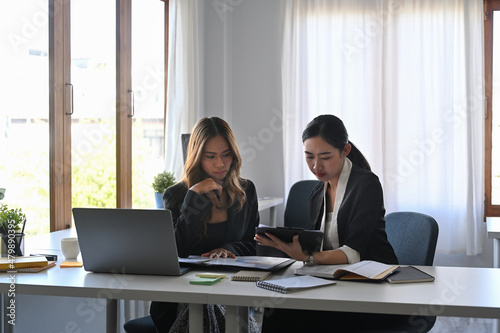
[
  {"x": 140, "y": 325},
  {"x": 185, "y": 143},
  {"x": 297, "y": 205},
  {"x": 413, "y": 237},
  {"x": 296, "y": 213}
]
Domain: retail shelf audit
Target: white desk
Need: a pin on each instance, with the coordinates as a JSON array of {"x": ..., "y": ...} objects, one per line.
[
  {"x": 271, "y": 203},
  {"x": 457, "y": 292},
  {"x": 493, "y": 227}
]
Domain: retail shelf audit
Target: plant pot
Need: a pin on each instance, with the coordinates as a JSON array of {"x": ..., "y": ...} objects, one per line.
[
  {"x": 159, "y": 200},
  {"x": 12, "y": 244}
]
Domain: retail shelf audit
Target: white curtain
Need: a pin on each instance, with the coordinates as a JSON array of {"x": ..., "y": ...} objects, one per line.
[
  {"x": 183, "y": 80},
  {"x": 406, "y": 77}
]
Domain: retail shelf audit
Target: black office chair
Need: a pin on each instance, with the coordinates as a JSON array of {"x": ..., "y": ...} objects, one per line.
[
  {"x": 140, "y": 325},
  {"x": 296, "y": 213},
  {"x": 413, "y": 237},
  {"x": 185, "y": 143},
  {"x": 297, "y": 205}
]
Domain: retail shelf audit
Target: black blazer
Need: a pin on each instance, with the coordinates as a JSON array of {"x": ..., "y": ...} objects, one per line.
[
  {"x": 361, "y": 216},
  {"x": 190, "y": 209}
]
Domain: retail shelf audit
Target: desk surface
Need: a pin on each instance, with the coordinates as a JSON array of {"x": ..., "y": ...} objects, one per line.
[
  {"x": 493, "y": 227},
  {"x": 269, "y": 202},
  {"x": 456, "y": 291}
]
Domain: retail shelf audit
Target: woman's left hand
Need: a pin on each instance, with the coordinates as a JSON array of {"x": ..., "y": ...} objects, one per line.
[
  {"x": 293, "y": 249},
  {"x": 219, "y": 253}
]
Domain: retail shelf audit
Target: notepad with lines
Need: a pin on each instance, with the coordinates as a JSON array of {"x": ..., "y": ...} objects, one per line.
[
  {"x": 294, "y": 283},
  {"x": 30, "y": 269},
  {"x": 248, "y": 275}
]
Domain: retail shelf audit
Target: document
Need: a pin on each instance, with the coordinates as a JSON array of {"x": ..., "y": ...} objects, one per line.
[
  {"x": 363, "y": 270},
  {"x": 254, "y": 262}
]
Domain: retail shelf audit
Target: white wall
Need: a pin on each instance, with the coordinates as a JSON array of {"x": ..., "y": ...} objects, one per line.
[{"x": 241, "y": 82}]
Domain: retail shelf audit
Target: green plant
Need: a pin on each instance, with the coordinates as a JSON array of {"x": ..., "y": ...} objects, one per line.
[
  {"x": 162, "y": 181},
  {"x": 11, "y": 218}
]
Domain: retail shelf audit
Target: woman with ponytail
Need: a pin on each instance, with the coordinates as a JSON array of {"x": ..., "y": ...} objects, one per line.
[{"x": 348, "y": 206}]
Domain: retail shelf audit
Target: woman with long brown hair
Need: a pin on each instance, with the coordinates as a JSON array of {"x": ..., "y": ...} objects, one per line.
[{"x": 214, "y": 210}]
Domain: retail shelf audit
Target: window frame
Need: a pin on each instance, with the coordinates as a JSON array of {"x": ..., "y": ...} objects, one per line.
[
  {"x": 489, "y": 7},
  {"x": 60, "y": 108}
]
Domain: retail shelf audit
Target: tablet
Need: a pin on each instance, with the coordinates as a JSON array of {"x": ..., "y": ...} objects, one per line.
[{"x": 310, "y": 240}]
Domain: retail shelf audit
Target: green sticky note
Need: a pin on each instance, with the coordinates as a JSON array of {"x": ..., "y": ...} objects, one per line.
[{"x": 204, "y": 281}]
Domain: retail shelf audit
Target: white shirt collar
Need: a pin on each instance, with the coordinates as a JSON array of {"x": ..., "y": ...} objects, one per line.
[{"x": 339, "y": 197}]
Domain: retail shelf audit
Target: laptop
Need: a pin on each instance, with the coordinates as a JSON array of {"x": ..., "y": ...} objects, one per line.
[{"x": 127, "y": 241}]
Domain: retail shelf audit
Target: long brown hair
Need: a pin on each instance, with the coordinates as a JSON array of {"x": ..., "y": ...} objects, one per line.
[{"x": 204, "y": 130}]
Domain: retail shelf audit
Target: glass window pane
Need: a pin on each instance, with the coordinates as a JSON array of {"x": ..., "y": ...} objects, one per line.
[
  {"x": 148, "y": 48},
  {"x": 24, "y": 126},
  {"x": 495, "y": 134},
  {"x": 93, "y": 129}
]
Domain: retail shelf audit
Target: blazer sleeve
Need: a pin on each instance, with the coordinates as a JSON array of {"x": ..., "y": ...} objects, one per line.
[
  {"x": 243, "y": 223},
  {"x": 188, "y": 218}
]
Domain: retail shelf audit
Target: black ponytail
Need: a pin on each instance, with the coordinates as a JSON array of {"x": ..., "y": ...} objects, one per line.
[{"x": 331, "y": 129}]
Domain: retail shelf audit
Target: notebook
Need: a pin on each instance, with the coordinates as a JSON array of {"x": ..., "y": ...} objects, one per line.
[
  {"x": 366, "y": 270},
  {"x": 409, "y": 274},
  {"x": 30, "y": 269},
  {"x": 294, "y": 283},
  {"x": 127, "y": 241},
  {"x": 247, "y": 275}
]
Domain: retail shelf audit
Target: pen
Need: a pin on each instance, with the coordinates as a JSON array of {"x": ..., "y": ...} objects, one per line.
[{"x": 217, "y": 195}]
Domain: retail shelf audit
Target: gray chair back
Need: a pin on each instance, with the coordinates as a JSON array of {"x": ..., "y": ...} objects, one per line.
[
  {"x": 297, "y": 205},
  {"x": 413, "y": 237}
]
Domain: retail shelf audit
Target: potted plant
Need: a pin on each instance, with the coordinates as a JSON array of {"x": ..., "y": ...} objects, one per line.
[
  {"x": 12, "y": 223},
  {"x": 161, "y": 182}
]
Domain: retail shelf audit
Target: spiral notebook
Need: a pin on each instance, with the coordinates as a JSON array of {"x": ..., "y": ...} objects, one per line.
[
  {"x": 294, "y": 283},
  {"x": 252, "y": 276}
]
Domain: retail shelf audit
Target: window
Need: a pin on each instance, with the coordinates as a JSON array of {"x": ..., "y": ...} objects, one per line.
[
  {"x": 148, "y": 87},
  {"x": 93, "y": 85},
  {"x": 24, "y": 115},
  {"x": 66, "y": 129}
]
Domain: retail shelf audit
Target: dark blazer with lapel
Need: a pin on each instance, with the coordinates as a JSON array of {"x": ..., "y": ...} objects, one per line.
[
  {"x": 360, "y": 220},
  {"x": 190, "y": 209}
]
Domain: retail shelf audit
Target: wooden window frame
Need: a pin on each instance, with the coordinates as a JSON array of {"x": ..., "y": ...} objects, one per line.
[
  {"x": 124, "y": 107},
  {"x": 489, "y": 7},
  {"x": 60, "y": 106},
  {"x": 59, "y": 121}
]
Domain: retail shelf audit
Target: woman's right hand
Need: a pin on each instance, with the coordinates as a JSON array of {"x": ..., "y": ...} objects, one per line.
[
  {"x": 207, "y": 186},
  {"x": 293, "y": 249}
]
